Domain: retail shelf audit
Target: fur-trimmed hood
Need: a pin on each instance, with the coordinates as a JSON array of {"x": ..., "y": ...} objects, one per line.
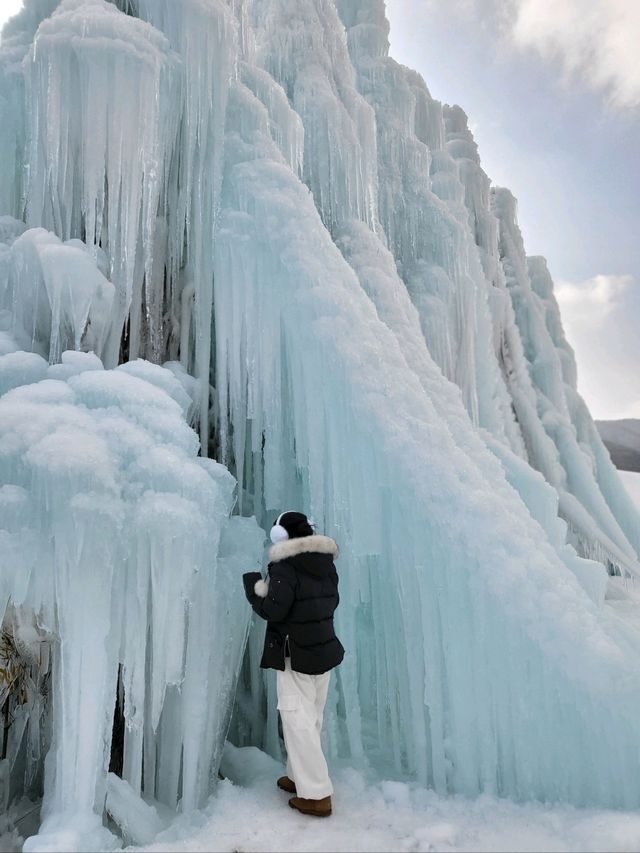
[{"x": 315, "y": 544}]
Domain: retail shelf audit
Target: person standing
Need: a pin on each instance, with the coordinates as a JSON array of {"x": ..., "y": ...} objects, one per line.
[{"x": 298, "y": 600}]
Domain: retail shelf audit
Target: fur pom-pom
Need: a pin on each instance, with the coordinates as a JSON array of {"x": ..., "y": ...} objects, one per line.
[{"x": 261, "y": 588}]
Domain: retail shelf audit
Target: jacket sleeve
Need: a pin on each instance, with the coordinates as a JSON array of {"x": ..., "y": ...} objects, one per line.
[{"x": 276, "y": 605}]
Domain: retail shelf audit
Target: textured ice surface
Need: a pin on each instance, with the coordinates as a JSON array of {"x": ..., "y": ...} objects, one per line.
[
  {"x": 139, "y": 822},
  {"x": 455, "y": 606},
  {"x": 57, "y": 296},
  {"x": 103, "y": 171},
  {"x": 120, "y": 541},
  {"x": 286, "y": 216}
]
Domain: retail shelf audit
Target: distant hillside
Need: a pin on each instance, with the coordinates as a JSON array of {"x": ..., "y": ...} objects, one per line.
[{"x": 622, "y": 439}]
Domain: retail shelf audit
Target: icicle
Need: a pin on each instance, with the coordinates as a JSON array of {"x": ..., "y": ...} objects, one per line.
[
  {"x": 204, "y": 35},
  {"x": 102, "y": 88}
]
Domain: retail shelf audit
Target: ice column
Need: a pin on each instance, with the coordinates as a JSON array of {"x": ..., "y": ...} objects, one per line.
[{"x": 204, "y": 34}]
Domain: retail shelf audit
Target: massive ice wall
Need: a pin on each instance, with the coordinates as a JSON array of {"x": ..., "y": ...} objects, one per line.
[
  {"x": 313, "y": 353},
  {"x": 287, "y": 211}
]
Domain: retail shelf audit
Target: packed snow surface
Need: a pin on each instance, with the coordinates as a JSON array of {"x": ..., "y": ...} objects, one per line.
[{"x": 250, "y": 813}]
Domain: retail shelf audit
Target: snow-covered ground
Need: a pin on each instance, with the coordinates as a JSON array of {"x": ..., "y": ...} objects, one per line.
[{"x": 248, "y": 813}]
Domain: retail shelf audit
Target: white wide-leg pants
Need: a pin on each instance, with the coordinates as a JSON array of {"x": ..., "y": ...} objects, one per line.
[{"x": 301, "y": 701}]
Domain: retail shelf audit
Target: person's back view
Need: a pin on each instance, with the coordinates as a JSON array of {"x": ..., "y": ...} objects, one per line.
[{"x": 298, "y": 601}]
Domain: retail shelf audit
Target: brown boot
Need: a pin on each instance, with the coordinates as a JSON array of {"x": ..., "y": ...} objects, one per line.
[
  {"x": 317, "y": 808},
  {"x": 286, "y": 784}
]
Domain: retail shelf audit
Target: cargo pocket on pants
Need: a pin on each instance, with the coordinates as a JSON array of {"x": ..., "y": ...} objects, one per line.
[{"x": 293, "y": 712}]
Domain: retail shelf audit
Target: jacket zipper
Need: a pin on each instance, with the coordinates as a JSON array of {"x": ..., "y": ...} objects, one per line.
[{"x": 287, "y": 650}]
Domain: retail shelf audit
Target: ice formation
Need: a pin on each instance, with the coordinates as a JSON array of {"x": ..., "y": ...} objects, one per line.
[
  {"x": 116, "y": 534},
  {"x": 254, "y": 193}
]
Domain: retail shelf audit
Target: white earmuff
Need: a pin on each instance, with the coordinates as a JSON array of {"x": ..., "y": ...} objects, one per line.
[{"x": 278, "y": 534}]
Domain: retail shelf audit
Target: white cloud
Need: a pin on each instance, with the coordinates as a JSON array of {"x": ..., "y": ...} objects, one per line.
[
  {"x": 600, "y": 320},
  {"x": 590, "y": 302},
  {"x": 594, "y": 39}
]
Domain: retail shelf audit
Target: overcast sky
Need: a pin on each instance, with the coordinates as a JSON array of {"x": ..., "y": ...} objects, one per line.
[{"x": 552, "y": 90}]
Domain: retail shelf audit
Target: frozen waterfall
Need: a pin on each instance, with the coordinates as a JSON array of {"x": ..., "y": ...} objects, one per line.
[
  {"x": 244, "y": 217},
  {"x": 118, "y": 560}
]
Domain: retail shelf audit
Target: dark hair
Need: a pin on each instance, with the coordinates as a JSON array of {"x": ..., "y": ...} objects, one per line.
[{"x": 296, "y": 524}]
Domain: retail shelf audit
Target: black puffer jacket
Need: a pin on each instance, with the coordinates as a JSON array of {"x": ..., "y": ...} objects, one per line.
[{"x": 298, "y": 605}]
